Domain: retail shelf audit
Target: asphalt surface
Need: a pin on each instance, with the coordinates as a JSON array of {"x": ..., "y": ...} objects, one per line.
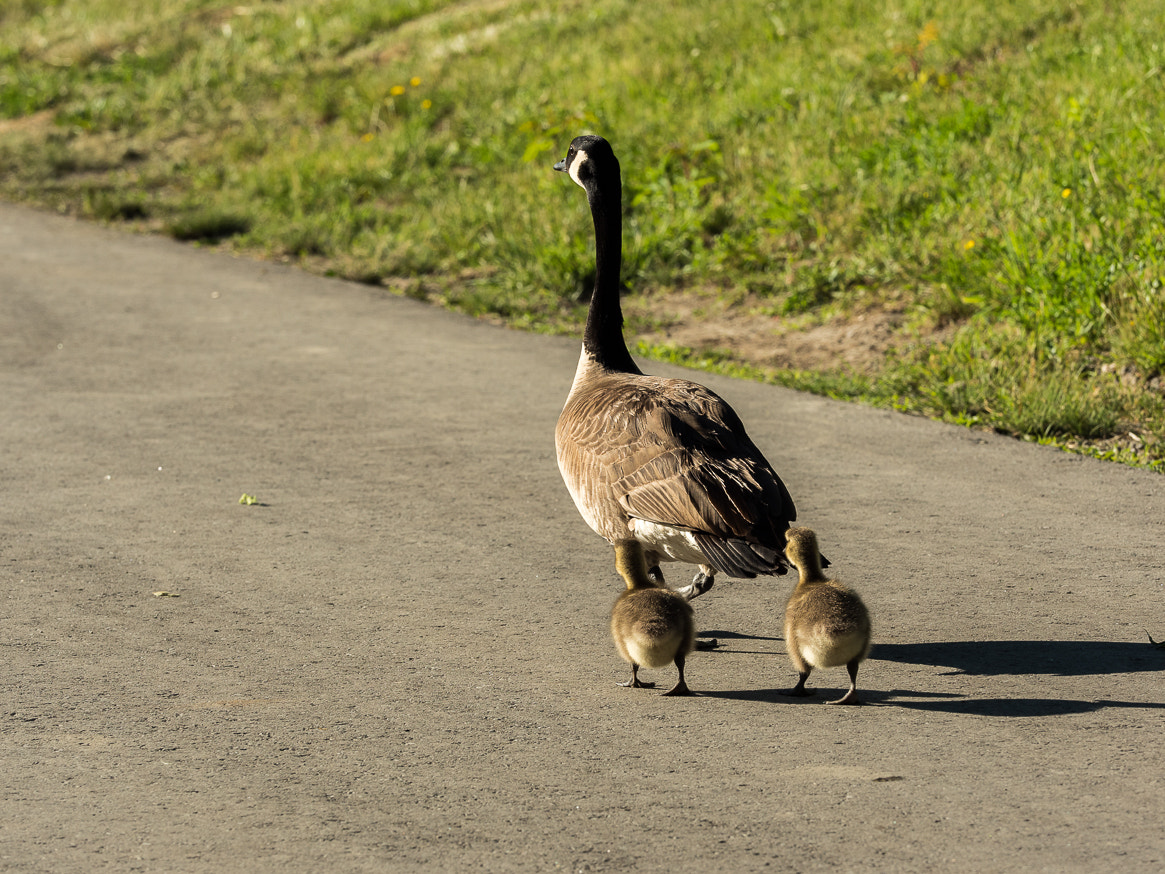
[{"x": 398, "y": 659}]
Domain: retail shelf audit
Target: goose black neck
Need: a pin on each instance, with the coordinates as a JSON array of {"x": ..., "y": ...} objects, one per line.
[{"x": 603, "y": 337}]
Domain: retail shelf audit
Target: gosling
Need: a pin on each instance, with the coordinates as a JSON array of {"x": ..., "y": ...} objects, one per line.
[
  {"x": 651, "y": 624},
  {"x": 826, "y": 623}
]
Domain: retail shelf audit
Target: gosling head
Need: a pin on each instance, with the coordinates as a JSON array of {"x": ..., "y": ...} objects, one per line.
[{"x": 801, "y": 549}]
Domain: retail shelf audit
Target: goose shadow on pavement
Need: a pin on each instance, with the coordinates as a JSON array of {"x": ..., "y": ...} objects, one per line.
[{"x": 714, "y": 641}]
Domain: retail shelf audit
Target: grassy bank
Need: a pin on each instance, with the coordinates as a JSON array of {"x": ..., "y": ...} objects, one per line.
[{"x": 985, "y": 179}]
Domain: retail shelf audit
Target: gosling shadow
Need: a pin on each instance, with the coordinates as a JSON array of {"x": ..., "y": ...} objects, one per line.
[
  {"x": 1019, "y": 707},
  {"x": 939, "y": 702},
  {"x": 824, "y": 694},
  {"x": 995, "y": 658}
]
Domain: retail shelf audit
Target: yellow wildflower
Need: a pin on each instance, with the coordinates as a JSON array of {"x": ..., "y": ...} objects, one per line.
[
  {"x": 1066, "y": 193},
  {"x": 397, "y": 90},
  {"x": 415, "y": 81},
  {"x": 927, "y": 35}
]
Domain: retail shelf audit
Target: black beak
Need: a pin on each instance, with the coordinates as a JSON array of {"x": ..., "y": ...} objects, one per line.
[{"x": 561, "y": 165}]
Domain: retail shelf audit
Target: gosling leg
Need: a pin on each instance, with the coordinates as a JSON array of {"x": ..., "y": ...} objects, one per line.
[
  {"x": 635, "y": 682},
  {"x": 850, "y": 697},
  {"x": 681, "y": 687},
  {"x": 799, "y": 691}
]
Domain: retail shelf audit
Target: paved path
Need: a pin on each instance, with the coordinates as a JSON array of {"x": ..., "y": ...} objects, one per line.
[{"x": 399, "y": 660}]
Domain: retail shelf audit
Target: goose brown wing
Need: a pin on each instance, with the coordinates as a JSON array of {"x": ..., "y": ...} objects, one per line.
[{"x": 679, "y": 456}]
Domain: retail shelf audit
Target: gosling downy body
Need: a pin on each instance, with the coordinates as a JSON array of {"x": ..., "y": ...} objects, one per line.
[
  {"x": 826, "y": 623},
  {"x": 652, "y": 626},
  {"x": 664, "y": 462}
]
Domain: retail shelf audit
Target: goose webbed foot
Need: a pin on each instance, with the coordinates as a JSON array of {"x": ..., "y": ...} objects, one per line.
[{"x": 701, "y": 583}]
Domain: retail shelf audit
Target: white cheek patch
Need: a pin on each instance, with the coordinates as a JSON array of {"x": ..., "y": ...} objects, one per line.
[{"x": 580, "y": 158}]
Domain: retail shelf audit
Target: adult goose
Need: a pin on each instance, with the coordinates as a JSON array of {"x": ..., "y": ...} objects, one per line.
[{"x": 665, "y": 462}]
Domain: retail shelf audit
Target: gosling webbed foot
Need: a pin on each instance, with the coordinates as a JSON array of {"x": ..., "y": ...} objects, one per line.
[
  {"x": 680, "y": 688},
  {"x": 799, "y": 691},
  {"x": 850, "y": 697},
  {"x": 635, "y": 682}
]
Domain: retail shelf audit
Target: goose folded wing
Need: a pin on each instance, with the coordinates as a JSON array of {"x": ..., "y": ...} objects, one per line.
[
  {"x": 718, "y": 504},
  {"x": 694, "y": 466},
  {"x": 673, "y": 452},
  {"x": 726, "y": 498}
]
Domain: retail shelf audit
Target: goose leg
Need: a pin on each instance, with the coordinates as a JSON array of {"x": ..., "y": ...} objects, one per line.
[
  {"x": 635, "y": 682},
  {"x": 799, "y": 691},
  {"x": 681, "y": 686},
  {"x": 701, "y": 583},
  {"x": 652, "y": 559},
  {"x": 850, "y": 697}
]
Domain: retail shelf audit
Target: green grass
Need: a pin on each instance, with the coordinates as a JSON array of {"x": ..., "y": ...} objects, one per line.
[{"x": 991, "y": 171}]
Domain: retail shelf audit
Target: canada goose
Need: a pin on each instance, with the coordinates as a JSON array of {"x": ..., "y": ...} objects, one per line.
[
  {"x": 826, "y": 623},
  {"x": 651, "y": 625},
  {"x": 665, "y": 462}
]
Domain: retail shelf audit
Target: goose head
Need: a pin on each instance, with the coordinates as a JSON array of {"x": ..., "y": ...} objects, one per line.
[{"x": 591, "y": 163}]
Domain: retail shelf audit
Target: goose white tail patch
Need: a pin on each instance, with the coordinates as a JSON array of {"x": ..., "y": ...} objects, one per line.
[{"x": 675, "y": 543}]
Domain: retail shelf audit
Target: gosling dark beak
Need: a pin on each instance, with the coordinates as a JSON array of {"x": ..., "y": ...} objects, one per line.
[{"x": 561, "y": 165}]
